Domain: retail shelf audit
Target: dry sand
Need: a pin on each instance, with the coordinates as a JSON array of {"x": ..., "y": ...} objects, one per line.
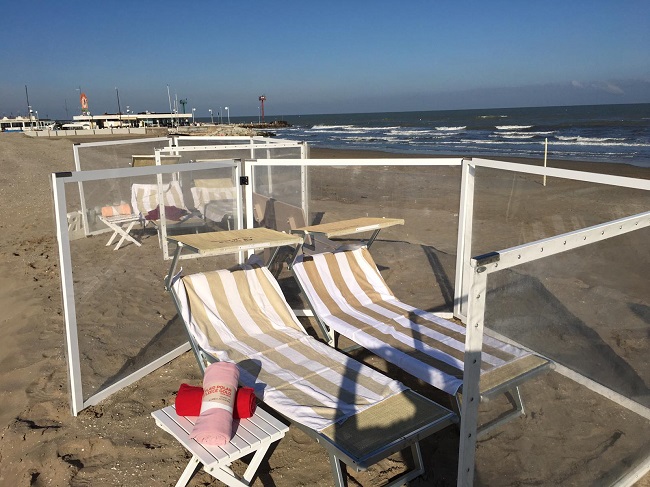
[{"x": 569, "y": 436}]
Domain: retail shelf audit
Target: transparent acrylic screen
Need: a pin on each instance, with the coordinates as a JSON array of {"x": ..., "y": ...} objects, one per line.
[
  {"x": 125, "y": 319},
  {"x": 417, "y": 259},
  {"x": 118, "y": 155},
  {"x": 588, "y": 310}
]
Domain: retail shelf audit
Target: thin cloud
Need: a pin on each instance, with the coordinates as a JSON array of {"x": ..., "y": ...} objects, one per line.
[{"x": 608, "y": 87}]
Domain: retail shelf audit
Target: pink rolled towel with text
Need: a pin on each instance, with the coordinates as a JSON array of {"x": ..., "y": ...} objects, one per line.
[{"x": 214, "y": 424}]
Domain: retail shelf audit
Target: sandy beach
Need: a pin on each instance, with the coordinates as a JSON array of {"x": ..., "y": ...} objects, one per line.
[{"x": 569, "y": 435}]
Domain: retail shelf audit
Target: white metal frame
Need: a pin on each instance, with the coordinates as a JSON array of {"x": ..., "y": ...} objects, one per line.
[
  {"x": 471, "y": 286},
  {"x": 471, "y": 273},
  {"x": 77, "y": 165},
  {"x": 465, "y": 214},
  {"x": 59, "y": 181}
]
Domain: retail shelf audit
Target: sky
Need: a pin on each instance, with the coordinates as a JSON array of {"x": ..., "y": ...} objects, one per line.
[{"x": 311, "y": 57}]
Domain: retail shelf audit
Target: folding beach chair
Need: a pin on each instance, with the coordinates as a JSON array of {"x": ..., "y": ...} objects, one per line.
[
  {"x": 359, "y": 415},
  {"x": 215, "y": 199},
  {"x": 349, "y": 296},
  {"x": 121, "y": 220}
]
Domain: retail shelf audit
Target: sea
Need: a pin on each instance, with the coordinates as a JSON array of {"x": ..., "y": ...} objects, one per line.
[{"x": 604, "y": 133}]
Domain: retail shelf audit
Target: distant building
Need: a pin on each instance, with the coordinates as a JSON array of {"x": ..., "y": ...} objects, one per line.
[
  {"x": 114, "y": 120},
  {"x": 22, "y": 124}
]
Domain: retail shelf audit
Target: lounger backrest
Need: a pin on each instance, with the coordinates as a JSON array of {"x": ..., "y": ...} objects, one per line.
[
  {"x": 206, "y": 191},
  {"x": 241, "y": 316},
  {"x": 144, "y": 197}
]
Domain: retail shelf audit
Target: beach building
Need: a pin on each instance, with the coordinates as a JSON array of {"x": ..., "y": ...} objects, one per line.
[
  {"x": 146, "y": 119},
  {"x": 22, "y": 124}
]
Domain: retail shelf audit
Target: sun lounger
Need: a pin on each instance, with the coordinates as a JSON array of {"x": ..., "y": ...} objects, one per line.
[
  {"x": 359, "y": 415},
  {"x": 349, "y": 296}
]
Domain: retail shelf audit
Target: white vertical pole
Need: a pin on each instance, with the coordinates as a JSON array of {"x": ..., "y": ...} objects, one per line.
[
  {"x": 464, "y": 246},
  {"x": 545, "y": 154},
  {"x": 472, "y": 375},
  {"x": 82, "y": 196},
  {"x": 304, "y": 183},
  {"x": 67, "y": 288},
  {"x": 247, "y": 170}
]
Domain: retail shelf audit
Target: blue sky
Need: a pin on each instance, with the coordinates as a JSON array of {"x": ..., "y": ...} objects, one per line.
[{"x": 322, "y": 57}]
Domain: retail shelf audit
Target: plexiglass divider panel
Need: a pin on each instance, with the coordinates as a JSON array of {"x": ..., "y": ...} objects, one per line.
[{"x": 119, "y": 319}]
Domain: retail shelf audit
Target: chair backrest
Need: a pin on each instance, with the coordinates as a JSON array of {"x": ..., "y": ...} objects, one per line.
[{"x": 144, "y": 197}]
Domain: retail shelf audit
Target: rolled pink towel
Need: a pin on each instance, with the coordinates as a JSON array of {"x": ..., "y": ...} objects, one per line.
[{"x": 214, "y": 424}]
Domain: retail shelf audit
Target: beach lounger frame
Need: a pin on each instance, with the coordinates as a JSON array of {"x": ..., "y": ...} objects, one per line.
[
  {"x": 362, "y": 308},
  {"x": 340, "y": 440}
]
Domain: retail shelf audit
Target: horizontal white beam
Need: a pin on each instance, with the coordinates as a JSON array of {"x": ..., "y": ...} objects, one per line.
[
  {"x": 415, "y": 161},
  {"x": 589, "y": 177},
  {"x": 98, "y": 174},
  {"x": 532, "y": 251},
  {"x": 137, "y": 375},
  {"x": 120, "y": 142}
]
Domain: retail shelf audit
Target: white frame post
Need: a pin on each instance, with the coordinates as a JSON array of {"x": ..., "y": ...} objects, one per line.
[
  {"x": 464, "y": 245},
  {"x": 472, "y": 373},
  {"x": 67, "y": 289}
]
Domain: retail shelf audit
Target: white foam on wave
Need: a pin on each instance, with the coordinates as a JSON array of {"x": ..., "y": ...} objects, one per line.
[
  {"x": 515, "y": 135},
  {"x": 513, "y": 127},
  {"x": 594, "y": 142},
  {"x": 578, "y": 138},
  {"x": 449, "y": 129},
  {"x": 330, "y": 127},
  {"x": 399, "y": 131}
]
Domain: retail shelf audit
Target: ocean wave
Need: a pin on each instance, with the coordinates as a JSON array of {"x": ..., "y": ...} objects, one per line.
[
  {"x": 330, "y": 127},
  {"x": 513, "y": 127},
  {"x": 578, "y": 138},
  {"x": 445, "y": 129},
  {"x": 399, "y": 131},
  {"x": 515, "y": 136},
  {"x": 598, "y": 144}
]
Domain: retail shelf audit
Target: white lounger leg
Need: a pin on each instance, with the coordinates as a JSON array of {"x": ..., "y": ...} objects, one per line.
[{"x": 192, "y": 467}]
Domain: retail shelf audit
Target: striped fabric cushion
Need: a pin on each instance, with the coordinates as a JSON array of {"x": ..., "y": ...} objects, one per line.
[
  {"x": 350, "y": 296},
  {"x": 241, "y": 316},
  {"x": 214, "y": 203},
  {"x": 144, "y": 197}
]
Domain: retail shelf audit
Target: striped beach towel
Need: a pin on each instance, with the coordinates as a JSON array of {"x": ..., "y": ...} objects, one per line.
[
  {"x": 241, "y": 316},
  {"x": 350, "y": 297}
]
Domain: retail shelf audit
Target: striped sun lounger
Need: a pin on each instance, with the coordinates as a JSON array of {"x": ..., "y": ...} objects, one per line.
[
  {"x": 359, "y": 415},
  {"x": 349, "y": 296}
]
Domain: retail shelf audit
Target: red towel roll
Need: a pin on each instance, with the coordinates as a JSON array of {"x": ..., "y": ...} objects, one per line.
[
  {"x": 188, "y": 401},
  {"x": 245, "y": 403}
]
